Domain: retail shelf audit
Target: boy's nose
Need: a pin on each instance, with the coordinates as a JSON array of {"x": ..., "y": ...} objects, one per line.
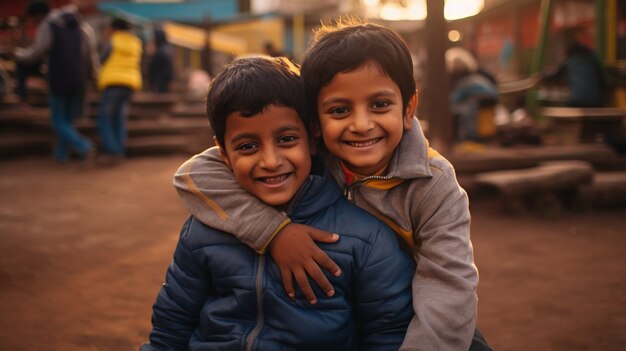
[
  {"x": 361, "y": 122},
  {"x": 271, "y": 158}
]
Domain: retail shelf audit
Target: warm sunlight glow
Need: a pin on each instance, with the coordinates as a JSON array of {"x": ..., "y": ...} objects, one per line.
[
  {"x": 395, "y": 10},
  {"x": 457, "y": 9},
  {"x": 403, "y": 10}
]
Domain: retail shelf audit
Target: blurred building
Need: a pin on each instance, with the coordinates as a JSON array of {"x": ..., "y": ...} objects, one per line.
[{"x": 502, "y": 34}]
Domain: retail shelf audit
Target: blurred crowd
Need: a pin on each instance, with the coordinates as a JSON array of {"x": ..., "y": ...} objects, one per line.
[
  {"x": 73, "y": 59},
  {"x": 65, "y": 52}
]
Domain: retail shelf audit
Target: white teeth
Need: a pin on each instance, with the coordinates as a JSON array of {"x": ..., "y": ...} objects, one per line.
[
  {"x": 363, "y": 143},
  {"x": 274, "y": 180}
]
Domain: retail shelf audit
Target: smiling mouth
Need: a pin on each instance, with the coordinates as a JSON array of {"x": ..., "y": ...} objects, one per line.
[
  {"x": 363, "y": 143},
  {"x": 275, "y": 180}
]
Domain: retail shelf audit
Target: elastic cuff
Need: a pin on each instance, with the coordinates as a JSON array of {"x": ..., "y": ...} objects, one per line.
[{"x": 278, "y": 229}]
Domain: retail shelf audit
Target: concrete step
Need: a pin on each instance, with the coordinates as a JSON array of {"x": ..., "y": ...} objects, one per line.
[
  {"x": 25, "y": 145},
  {"x": 29, "y": 131},
  {"x": 607, "y": 189},
  {"x": 492, "y": 158},
  {"x": 550, "y": 188},
  {"x": 39, "y": 119},
  {"x": 12, "y": 146}
]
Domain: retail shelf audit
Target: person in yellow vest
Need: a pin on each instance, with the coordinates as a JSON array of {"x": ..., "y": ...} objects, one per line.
[{"x": 119, "y": 77}]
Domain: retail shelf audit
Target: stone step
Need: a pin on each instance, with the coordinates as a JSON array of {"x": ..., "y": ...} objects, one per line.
[
  {"x": 554, "y": 176},
  {"x": 606, "y": 189},
  {"x": 552, "y": 187},
  {"x": 24, "y": 145},
  {"x": 39, "y": 119},
  {"x": 29, "y": 131},
  {"x": 492, "y": 158},
  {"x": 12, "y": 146}
]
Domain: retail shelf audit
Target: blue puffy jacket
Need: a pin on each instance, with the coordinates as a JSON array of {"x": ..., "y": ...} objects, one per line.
[{"x": 221, "y": 295}]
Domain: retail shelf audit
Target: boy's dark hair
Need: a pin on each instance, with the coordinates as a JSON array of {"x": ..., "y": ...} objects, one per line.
[
  {"x": 37, "y": 8},
  {"x": 249, "y": 85},
  {"x": 120, "y": 24},
  {"x": 348, "y": 45}
]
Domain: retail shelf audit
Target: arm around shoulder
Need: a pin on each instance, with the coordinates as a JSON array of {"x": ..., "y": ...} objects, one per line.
[{"x": 210, "y": 192}]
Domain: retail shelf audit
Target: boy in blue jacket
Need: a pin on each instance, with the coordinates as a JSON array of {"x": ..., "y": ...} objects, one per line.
[
  {"x": 359, "y": 84},
  {"x": 221, "y": 295}
]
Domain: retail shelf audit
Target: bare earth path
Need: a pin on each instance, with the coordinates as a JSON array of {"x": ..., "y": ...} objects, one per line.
[{"x": 83, "y": 253}]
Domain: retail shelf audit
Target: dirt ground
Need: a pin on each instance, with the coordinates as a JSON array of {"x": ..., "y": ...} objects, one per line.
[{"x": 83, "y": 254}]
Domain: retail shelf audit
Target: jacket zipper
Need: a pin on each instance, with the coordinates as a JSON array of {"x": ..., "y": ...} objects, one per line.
[
  {"x": 349, "y": 188},
  {"x": 259, "y": 305}
]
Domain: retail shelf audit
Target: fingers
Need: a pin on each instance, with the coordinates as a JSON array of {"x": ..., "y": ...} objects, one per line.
[
  {"x": 322, "y": 235},
  {"x": 314, "y": 271},
  {"x": 320, "y": 256},
  {"x": 288, "y": 284},
  {"x": 299, "y": 258},
  {"x": 327, "y": 263},
  {"x": 303, "y": 282}
]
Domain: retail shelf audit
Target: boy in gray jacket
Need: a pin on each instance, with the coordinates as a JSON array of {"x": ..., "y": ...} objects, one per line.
[{"x": 359, "y": 84}]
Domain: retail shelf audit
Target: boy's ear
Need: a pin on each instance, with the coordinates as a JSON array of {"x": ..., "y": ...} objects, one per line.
[
  {"x": 222, "y": 153},
  {"x": 409, "y": 113}
]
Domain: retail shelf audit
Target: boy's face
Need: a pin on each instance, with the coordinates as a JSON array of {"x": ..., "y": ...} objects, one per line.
[
  {"x": 268, "y": 153},
  {"x": 361, "y": 118}
]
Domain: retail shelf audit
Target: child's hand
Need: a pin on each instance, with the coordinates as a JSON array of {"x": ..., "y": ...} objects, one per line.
[{"x": 297, "y": 255}]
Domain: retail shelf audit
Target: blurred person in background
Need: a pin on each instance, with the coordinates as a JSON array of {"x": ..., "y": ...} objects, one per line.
[
  {"x": 584, "y": 75},
  {"x": 473, "y": 96},
  {"x": 119, "y": 77},
  {"x": 161, "y": 67},
  {"x": 69, "y": 45},
  {"x": 36, "y": 11}
]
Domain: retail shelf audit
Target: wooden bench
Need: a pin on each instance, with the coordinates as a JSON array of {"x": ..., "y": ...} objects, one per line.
[
  {"x": 588, "y": 124},
  {"x": 554, "y": 180}
]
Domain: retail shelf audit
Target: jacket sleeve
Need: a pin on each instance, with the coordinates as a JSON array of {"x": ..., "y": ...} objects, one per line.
[
  {"x": 39, "y": 48},
  {"x": 445, "y": 281},
  {"x": 383, "y": 293},
  {"x": 210, "y": 192},
  {"x": 175, "y": 314},
  {"x": 92, "y": 49}
]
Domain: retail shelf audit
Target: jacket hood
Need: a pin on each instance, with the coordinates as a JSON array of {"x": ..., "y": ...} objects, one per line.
[{"x": 410, "y": 160}]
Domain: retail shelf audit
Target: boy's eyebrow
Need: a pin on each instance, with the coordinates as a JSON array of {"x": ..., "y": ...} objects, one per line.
[
  {"x": 288, "y": 127},
  {"x": 377, "y": 94},
  {"x": 238, "y": 137}
]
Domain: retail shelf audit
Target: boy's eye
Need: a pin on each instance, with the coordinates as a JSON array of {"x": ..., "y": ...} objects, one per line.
[
  {"x": 380, "y": 104},
  {"x": 246, "y": 147},
  {"x": 338, "y": 111},
  {"x": 287, "y": 139}
]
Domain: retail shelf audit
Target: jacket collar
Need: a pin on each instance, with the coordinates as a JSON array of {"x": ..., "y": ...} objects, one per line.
[{"x": 313, "y": 196}]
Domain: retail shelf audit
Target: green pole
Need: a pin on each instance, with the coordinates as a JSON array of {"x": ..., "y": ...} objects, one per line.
[
  {"x": 540, "y": 52},
  {"x": 600, "y": 30}
]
